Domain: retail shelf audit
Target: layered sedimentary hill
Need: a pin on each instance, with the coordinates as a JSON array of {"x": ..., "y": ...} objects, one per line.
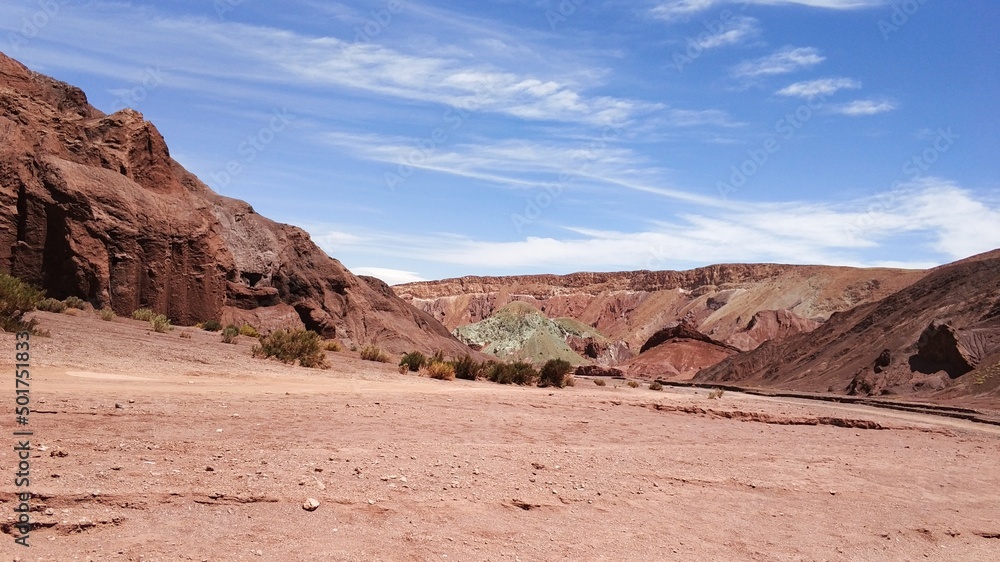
[
  {"x": 940, "y": 337},
  {"x": 727, "y": 302},
  {"x": 92, "y": 205}
]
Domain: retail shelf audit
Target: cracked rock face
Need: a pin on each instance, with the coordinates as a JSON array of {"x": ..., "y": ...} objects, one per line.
[{"x": 94, "y": 206}]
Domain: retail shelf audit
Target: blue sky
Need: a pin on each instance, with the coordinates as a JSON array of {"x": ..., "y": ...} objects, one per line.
[{"x": 423, "y": 140}]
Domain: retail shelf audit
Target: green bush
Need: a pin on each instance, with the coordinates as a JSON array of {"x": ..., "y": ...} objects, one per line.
[
  {"x": 373, "y": 353},
  {"x": 160, "y": 323},
  {"x": 441, "y": 371},
  {"x": 554, "y": 373},
  {"x": 291, "y": 345},
  {"x": 519, "y": 372},
  {"x": 468, "y": 368},
  {"x": 75, "y": 302},
  {"x": 230, "y": 334},
  {"x": 212, "y": 326},
  {"x": 143, "y": 314},
  {"x": 107, "y": 314},
  {"x": 51, "y": 305},
  {"x": 17, "y": 298},
  {"x": 249, "y": 331},
  {"x": 413, "y": 361},
  {"x": 655, "y": 386}
]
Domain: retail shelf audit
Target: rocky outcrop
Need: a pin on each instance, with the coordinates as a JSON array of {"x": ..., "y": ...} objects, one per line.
[
  {"x": 678, "y": 352},
  {"x": 770, "y": 325},
  {"x": 92, "y": 205},
  {"x": 928, "y": 338}
]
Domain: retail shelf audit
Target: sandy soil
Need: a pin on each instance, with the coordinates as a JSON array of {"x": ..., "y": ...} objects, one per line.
[{"x": 212, "y": 453}]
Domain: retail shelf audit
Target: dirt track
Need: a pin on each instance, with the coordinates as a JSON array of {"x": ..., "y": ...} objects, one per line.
[{"x": 214, "y": 453}]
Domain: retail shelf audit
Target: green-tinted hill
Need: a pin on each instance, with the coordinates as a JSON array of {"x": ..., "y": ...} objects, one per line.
[{"x": 521, "y": 331}]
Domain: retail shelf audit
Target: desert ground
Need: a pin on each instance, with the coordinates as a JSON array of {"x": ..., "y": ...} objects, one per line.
[{"x": 152, "y": 447}]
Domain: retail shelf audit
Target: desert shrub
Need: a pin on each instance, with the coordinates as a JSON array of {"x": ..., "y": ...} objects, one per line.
[
  {"x": 374, "y": 353},
  {"x": 467, "y": 368},
  {"x": 570, "y": 381},
  {"x": 291, "y": 345},
  {"x": 655, "y": 386},
  {"x": 249, "y": 331},
  {"x": 554, "y": 373},
  {"x": 211, "y": 326},
  {"x": 632, "y": 384},
  {"x": 185, "y": 335},
  {"x": 600, "y": 382},
  {"x": 75, "y": 302},
  {"x": 716, "y": 394},
  {"x": 160, "y": 323},
  {"x": 441, "y": 371},
  {"x": 17, "y": 298},
  {"x": 51, "y": 305},
  {"x": 143, "y": 314},
  {"x": 107, "y": 314},
  {"x": 524, "y": 373},
  {"x": 333, "y": 346},
  {"x": 413, "y": 361},
  {"x": 230, "y": 334}
]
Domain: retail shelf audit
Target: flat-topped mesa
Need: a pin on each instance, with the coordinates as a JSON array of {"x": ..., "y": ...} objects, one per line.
[{"x": 92, "y": 205}]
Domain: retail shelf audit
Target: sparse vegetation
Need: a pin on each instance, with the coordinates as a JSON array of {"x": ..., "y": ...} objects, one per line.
[
  {"x": 468, "y": 368},
  {"x": 107, "y": 314},
  {"x": 143, "y": 314},
  {"x": 633, "y": 384},
  {"x": 249, "y": 331},
  {"x": 441, "y": 371},
  {"x": 231, "y": 334},
  {"x": 333, "y": 346},
  {"x": 437, "y": 357},
  {"x": 51, "y": 305},
  {"x": 413, "y": 361},
  {"x": 17, "y": 298},
  {"x": 600, "y": 382},
  {"x": 211, "y": 325},
  {"x": 160, "y": 324},
  {"x": 75, "y": 302},
  {"x": 186, "y": 335},
  {"x": 655, "y": 385},
  {"x": 374, "y": 353},
  {"x": 715, "y": 394},
  {"x": 554, "y": 373},
  {"x": 519, "y": 372},
  {"x": 291, "y": 345}
]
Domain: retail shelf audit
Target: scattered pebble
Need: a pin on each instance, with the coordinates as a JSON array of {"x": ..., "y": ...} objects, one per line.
[{"x": 311, "y": 504}]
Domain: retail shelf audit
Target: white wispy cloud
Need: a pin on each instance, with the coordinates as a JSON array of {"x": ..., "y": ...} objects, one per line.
[
  {"x": 390, "y": 276},
  {"x": 527, "y": 164},
  {"x": 735, "y": 32},
  {"x": 680, "y": 9},
  {"x": 934, "y": 213},
  {"x": 861, "y": 108},
  {"x": 784, "y": 61},
  {"x": 821, "y": 87}
]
